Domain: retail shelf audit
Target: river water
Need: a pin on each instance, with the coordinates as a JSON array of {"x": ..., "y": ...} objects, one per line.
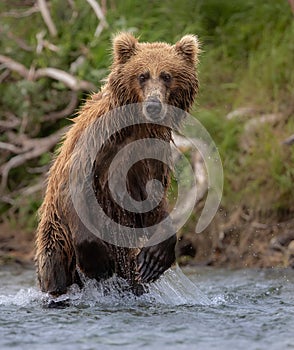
[{"x": 201, "y": 309}]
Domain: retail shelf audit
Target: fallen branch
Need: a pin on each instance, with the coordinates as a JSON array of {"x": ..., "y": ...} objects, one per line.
[
  {"x": 20, "y": 14},
  {"x": 251, "y": 127},
  {"x": 255, "y": 123},
  {"x": 41, "y": 43},
  {"x": 241, "y": 112},
  {"x": 47, "y": 17},
  {"x": 11, "y": 123},
  {"x": 289, "y": 141},
  {"x": 71, "y": 4},
  {"x": 14, "y": 66},
  {"x": 291, "y": 3},
  {"x": 103, "y": 6},
  {"x": 67, "y": 111},
  {"x": 99, "y": 13},
  {"x": 4, "y": 75},
  {"x": 31, "y": 74},
  {"x": 9, "y": 147},
  {"x": 8, "y": 200},
  {"x": 39, "y": 146},
  {"x": 66, "y": 78},
  {"x": 14, "y": 196},
  {"x": 27, "y": 191},
  {"x": 39, "y": 169}
]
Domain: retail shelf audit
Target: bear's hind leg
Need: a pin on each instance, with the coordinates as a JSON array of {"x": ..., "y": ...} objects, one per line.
[
  {"x": 93, "y": 256},
  {"x": 55, "y": 259}
]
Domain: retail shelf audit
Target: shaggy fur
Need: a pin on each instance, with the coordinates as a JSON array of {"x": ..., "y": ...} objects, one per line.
[{"x": 141, "y": 72}]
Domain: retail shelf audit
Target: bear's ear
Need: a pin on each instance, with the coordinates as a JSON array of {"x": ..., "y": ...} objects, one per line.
[
  {"x": 188, "y": 47},
  {"x": 124, "y": 47}
]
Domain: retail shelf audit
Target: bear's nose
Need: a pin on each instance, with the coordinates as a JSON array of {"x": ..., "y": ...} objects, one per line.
[{"x": 153, "y": 106}]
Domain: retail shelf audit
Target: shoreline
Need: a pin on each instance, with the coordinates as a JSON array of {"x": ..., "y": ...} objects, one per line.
[{"x": 230, "y": 243}]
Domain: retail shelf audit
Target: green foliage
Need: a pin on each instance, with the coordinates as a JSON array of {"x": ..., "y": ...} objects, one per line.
[
  {"x": 269, "y": 171},
  {"x": 247, "y": 61}
]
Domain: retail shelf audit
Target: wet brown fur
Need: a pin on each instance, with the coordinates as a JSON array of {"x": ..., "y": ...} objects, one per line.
[{"x": 62, "y": 243}]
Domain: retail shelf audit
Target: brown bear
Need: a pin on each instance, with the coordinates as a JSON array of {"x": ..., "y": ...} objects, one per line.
[{"x": 149, "y": 74}]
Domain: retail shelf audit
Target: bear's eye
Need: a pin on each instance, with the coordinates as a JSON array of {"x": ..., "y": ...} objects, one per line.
[
  {"x": 166, "y": 77},
  {"x": 143, "y": 77}
]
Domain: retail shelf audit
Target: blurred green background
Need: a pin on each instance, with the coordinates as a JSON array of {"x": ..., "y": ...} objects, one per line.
[{"x": 246, "y": 98}]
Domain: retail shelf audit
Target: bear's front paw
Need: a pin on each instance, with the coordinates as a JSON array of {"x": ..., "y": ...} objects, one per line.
[{"x": 154, "y": 260}]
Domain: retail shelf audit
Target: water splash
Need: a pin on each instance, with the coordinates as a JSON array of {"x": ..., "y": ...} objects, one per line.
[
  {"x": 176, "y": 288},
  {"x": 173, "y": 288},
  {"x": 23, "y": 297}
]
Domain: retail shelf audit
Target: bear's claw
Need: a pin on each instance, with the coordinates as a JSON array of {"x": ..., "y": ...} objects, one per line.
[{"x": 152, "y": 261}]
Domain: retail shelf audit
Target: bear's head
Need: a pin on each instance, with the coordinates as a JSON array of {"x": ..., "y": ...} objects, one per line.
[{"x": 154, "y": 73}]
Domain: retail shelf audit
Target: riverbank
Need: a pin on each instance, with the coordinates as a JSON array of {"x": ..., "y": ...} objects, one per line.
[
  {"x": 16, "y": 246},
  {"x": 239, "y": 240}
]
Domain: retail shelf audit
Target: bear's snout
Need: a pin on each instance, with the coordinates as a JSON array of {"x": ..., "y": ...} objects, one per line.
[
  {"x": 153, "y": 109},
  {"x": 153, "y": 106}
]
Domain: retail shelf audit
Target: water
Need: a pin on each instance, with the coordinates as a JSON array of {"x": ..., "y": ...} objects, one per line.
[{"x": 209, "y": 309}]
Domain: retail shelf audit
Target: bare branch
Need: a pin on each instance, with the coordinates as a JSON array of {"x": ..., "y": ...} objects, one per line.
[
  {"x": 40, "y": 146},
  {"x": 66, "y": 78},
  {"x": 54, "y": 73},
  {"x": 291, "y": 3},
  {"x": 14, "y": 66},
  {"x": 67, "y": 111},
  {"x": 9, "y": 147},
  {"x": 99, "y": 13},
  {"x": 27, "y": 191},
  {"x": 24, "y": 192},
  {"x": 11, "y": 123},
  {"x": 20, "y": 14},
  {"x": 39, "y": 169},
  {"x": 103, "y": 6},
  {"x": 289, "y": 141},
  {"x": 255, "y": 123},
  {"x": 97, "y": 9},
  {"x": 71, "y": 4},
  {"x": 241, "y": 112},
  {"x": 47, "y": 17},
  {"x": 8, "y": 200},
  {"x": 4, "y": 75},
  {"x": 99, "y": 29},
  {"x": 41, "y": 43},
  {"x": 74, "y": 66}
]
